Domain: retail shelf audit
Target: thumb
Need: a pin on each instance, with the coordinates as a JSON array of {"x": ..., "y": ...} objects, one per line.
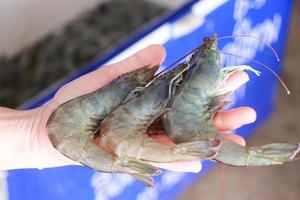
[{"x": 150, "y": 56}]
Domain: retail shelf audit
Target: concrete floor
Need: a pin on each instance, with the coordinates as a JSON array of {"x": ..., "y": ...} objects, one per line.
[{"x": 264, "y": 183}]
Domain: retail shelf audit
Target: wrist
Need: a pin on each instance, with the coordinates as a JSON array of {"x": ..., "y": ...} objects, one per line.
[
  {"x": 24, "y": 140},
  {"x": 17, "y": 130}
]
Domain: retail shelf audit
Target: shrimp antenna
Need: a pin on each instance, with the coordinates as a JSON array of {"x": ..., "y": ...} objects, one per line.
[
  {"x": 265, "y": 66},
  {"x": 296, "y": 158},
  {"x": 170, "y": 66},
  {"x": 254, "y": 37},
  {"x": 176, "y": 62},
  {"x": 180, "y": 60}
]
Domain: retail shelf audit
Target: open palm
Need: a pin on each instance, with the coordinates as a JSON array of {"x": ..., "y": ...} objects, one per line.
[{"x": 40, "y": 153}]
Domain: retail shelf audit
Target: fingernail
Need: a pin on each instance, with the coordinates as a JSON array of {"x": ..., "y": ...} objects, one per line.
[
  {"x": 236, "y": 80},
  {"x": 243, "y": 80},
  {"x": 251, "y": 117},
  {"x": 196, "y": 168}
]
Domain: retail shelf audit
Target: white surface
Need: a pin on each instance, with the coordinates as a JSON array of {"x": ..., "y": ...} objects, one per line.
[{"x": 3, "y": 186}]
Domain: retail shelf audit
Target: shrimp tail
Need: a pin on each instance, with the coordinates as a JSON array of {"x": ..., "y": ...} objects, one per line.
[
  {"x": 140, "y": 167},
  {"x": 269, "y": 154},
  {"x": 272, "y": 154},
  {"x": 202, "y": 149},
  {"x": 145, "y": 179}
]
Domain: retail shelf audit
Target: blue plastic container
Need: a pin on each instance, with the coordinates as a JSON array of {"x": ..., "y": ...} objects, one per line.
[{"x": 180, "y": 32}]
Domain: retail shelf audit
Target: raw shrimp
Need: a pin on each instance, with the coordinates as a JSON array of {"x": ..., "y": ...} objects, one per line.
[
  {"x": 72, "y": 125},
  {"x": 123, "y": 131},
  {"x": 200, "y": 97}
]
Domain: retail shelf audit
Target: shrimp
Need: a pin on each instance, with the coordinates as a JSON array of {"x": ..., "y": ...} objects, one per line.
[
  {"x": 200, "y": 97},
  {"x": 123, "y": 131},
  {"x": 72, "y": 125}
]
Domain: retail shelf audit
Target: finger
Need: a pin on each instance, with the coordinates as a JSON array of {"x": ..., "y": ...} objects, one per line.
[
  {"x": 149, "y": 56},
  {"x": 235, "y": 138},
  {"x": 235, "y": 118},
  {"x": 187, "y": 166},
  {"x": 235, "y": 81}
]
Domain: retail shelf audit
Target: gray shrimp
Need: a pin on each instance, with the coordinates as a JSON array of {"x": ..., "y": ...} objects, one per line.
[
  {"x": 200, "y": 97},
  {"x": 72, "y": 125},
  {"x": 123, "y": 131}
]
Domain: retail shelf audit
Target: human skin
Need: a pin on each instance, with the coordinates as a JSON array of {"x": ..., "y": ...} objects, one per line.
[{"x": 24, "y": 141}]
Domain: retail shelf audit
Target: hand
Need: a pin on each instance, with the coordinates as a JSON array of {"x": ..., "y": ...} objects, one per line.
[
  {"x": 23, "y": 134},
  {"x": 224, "y": 121}
]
